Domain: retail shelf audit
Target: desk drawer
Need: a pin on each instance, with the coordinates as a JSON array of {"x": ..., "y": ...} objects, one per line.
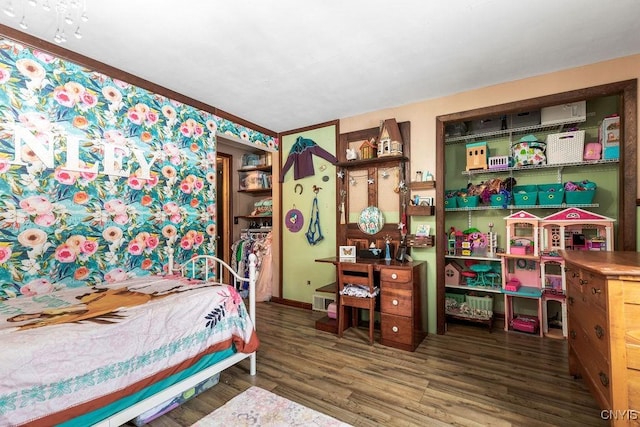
[
  {"x": 396, "y": 301},
  {"x": 396, "y": 328},
  {"x": 397, "y": 275}
]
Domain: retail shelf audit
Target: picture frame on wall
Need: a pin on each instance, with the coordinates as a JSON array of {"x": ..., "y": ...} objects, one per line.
[{"x": 425, "y": 201}]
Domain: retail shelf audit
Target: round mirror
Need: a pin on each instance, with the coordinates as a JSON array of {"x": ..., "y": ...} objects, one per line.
[{"x": 371, "y": 220}]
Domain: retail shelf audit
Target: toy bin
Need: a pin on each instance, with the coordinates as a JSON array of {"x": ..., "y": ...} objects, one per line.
[
  {"x": 484, "y": 303},
  {"x": 450, "y": 199},
  {"x": 501, "y": 200},
  {"x": 525, "y": 195},
  {"x": 565, "y": 147},
  {"x": 584, "y": 197},
  {"x": 550, "y": 194},
  {"x": 468, "y": 201},
  {"x": 459, "y": 298}
]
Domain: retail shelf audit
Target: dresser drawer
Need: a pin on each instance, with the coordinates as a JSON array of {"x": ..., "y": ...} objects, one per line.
[
  {"x": 594, "y": 289},
  {"x": 595, "y": 367},
  {"x": 593, "y": 321},
  {"x": 633, "y": 378},
  {"x": 395, "y": 275},
  {"x": 396, "y": 301},
  {"x": 396, "y": 328}
]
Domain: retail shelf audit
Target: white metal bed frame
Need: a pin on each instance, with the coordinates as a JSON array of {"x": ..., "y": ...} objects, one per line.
[{"x": 212, "y": 268}]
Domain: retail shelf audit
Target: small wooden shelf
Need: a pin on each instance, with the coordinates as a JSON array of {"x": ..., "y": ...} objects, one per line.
[
  {"x": 413, "y": 210},
  {"x": 256, "y": 191},
  {"x": 255, "y": 168},
  {"x": 414, "y": 241},
  {"x": 422, "y": 185}
]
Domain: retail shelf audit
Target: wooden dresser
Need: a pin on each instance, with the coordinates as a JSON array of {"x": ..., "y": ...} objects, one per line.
[
  {"x": 403, "y": 302},
  {"x": 603, "y": 305}
]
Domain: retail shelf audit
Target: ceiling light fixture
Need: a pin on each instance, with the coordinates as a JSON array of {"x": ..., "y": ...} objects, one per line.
[{"x": 68, "y": 12}]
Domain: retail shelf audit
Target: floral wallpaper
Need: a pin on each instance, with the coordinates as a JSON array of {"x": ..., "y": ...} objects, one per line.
[{"x": 98, "y": 178}]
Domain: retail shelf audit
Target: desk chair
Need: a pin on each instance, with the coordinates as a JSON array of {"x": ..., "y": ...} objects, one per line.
[{"x": 356, "y": 289}]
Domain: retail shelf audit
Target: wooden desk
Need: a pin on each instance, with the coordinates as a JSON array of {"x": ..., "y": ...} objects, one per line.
[{"x": 403, "y": 302}]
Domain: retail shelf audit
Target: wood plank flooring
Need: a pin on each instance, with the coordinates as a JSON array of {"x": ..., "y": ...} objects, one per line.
[{"x": 467, "y": 377}]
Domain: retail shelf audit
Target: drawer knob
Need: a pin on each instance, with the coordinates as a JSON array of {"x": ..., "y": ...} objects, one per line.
[
  {"x": 596, "y": 291},
  {"x": 573, "y": 334},
  {"x": 575, "y": 274},
  {"x": 583, "y": 282},
  {"x": 604, "y": 379},
  {"x": 394, "y": 329},
  {"x": 394, "y": 276},
  {"x": 570, "y": 300},
  {"x": 599, "y": 331},
  {"x": 394, "y": 302}
]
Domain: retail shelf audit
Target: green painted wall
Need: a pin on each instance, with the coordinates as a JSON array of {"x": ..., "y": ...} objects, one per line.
[{"x": 301, "y": 275}]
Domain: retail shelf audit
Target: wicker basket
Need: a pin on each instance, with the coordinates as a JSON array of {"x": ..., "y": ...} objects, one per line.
[{"x": 565, "y": 147}]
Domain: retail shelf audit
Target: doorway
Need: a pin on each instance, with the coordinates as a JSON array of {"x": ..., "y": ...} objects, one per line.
[{"x": 224, "y": 211}]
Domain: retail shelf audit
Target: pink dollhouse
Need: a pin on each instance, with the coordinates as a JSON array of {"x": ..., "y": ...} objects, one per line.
[
  {"x": 522, "y": 233},
  {"x": 576, "y": 229}
]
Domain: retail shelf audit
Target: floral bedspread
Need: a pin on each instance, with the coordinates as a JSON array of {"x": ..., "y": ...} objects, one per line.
[{"x": 70, "y": 348}]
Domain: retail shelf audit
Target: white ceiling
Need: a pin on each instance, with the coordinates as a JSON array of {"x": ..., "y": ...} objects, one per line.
[{"x": 285, "y": 64}]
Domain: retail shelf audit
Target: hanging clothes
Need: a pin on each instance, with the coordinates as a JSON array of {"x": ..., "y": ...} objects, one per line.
[
  {"x": 264, "y": 282},
  {"x": 301, "y": 158}
]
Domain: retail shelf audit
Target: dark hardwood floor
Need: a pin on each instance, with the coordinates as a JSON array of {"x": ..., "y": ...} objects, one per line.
[{"x": 467, "y": 377}]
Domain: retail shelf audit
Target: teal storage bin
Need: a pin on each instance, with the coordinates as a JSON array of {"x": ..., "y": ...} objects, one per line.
[
  {"x": 500, "y": 200},
  {"x": 468, "y": 201},
  {"x": 550, "y": 194},
  {"x": 584, "y": 197},
  {"x": 450, "y": 200},
  {"x": 525, "y": 195}
]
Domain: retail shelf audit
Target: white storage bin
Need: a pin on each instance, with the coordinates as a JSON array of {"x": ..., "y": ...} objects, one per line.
[
  {"x": 565, "y": 147},
  {"x": 574, "y": 111}
]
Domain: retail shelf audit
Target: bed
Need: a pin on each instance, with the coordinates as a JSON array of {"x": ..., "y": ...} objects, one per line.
[{"x": 78, "y": 356}]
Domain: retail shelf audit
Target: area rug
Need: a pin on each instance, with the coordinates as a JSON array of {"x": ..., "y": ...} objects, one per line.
[{"x": 259, "y": 407}]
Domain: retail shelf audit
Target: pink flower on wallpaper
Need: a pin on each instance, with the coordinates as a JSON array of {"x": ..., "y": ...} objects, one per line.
[
  {"x": 198, "y": 130},
  {"x": 63, "y": 97},
  {"x": 152, "y": 181},
  {"x": 171, "y": 208},
  {"x": 134, "y": 116},
  {"x": 115, "y": 207},
  {"x": 211, "y": 209},
  {"x": 115, "y": 275},
  {"x": 5, "y": 254},
  {"x": 5, "y": 75},
  {"x": 186, "y": 187},
  {"x": 64, "y": 253},
  {"x": 121, "y": 219},
  {"x": 135, "y": 183},
  {"x": 89, "y": 99},
  {"x": 4, "y": 165},
  {"x": 152, "y": 242},
  {"x": 36, "y": 205},
  {"x": 35, "y": 121},
  {"x": 88, "y": 176},
  {"x": 152, "y": 118},
  {"x": 66, "y": 177},
  {"x": 198, "y": 184},
  {"x": 172, "y": 151},
  {"x": 37, "y": 287},
  {"x": 135, "y": 248},
  {"x": 115, "y": 137},
  {"x": 44, "y": 220},
  {"x": 175, "y": 218},
  {"x": 89, "y": 247},
  {"x": 198, "y": 239},
  {"x": 186, "y": 243},
  {"x": 44, "y": 56}
]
